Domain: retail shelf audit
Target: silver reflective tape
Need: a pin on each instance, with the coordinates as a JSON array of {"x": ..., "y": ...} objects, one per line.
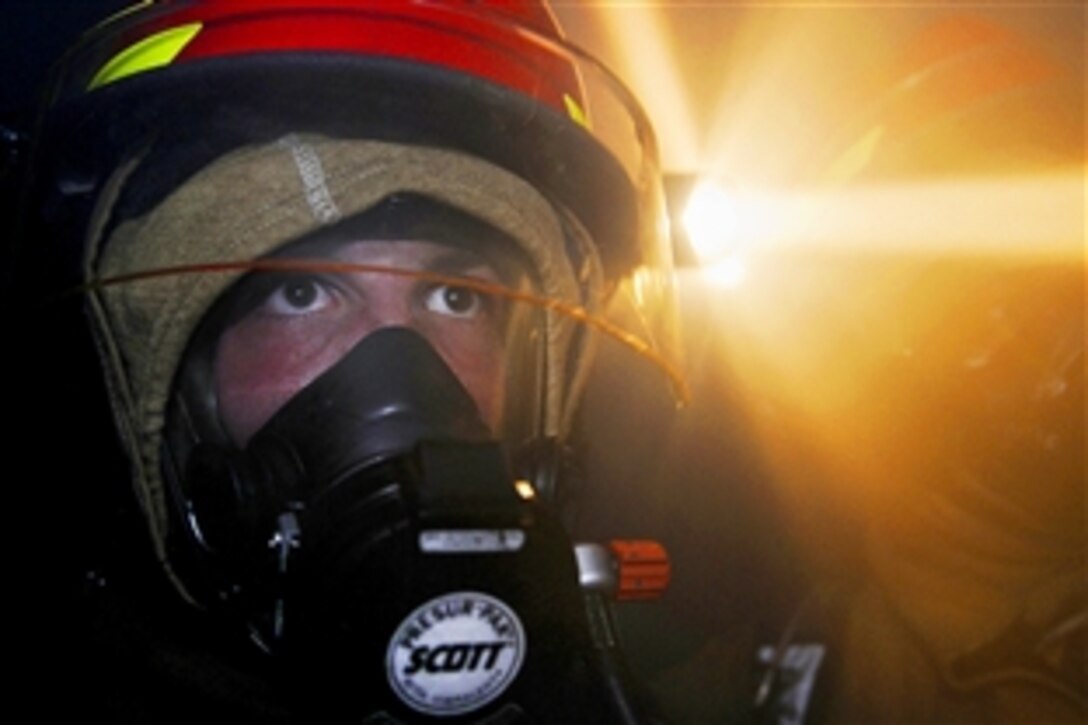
[
  {"x": 459, "y": 541},
  {"x": 312, "y": 174}
]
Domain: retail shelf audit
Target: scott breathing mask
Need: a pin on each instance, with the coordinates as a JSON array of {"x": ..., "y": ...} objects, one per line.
[{"x": 370, "y": 532}]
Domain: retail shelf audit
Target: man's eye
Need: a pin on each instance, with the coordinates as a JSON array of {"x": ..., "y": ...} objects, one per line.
[
  {"x": 453, "y": 301},
  {"x": 298, "y": 297}
]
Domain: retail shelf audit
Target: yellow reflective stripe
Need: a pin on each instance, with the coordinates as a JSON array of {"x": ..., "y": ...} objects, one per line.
[
  {"x": 153, "y": 51},
  {"x": 576, "y": 111}
]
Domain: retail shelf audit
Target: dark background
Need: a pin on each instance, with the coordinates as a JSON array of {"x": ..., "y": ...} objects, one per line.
[{"x": 33, "y": 35}]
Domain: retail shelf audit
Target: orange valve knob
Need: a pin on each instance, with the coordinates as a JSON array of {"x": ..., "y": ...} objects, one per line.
[{"x": 643, "y": 567}]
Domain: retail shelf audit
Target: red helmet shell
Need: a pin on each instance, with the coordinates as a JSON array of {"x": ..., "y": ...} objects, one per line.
[{"x": 486, "y": 39}]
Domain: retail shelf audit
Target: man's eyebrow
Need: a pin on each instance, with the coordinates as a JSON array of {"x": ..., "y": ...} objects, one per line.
[{"x": 457, "y": 261}]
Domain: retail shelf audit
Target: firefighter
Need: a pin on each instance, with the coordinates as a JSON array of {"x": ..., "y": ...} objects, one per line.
[{"x": 344, "y": 266}]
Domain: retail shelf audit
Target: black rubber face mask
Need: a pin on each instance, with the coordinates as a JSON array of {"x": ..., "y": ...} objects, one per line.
[{"x": 371, "y": 537}]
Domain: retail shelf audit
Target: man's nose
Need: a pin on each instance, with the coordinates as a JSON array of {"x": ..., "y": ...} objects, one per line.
[{"x": 389, "y": 304}]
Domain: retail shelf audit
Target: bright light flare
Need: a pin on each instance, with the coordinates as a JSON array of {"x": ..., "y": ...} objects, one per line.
[
  {"x": 1034, "y": 216},
  {"x": 710, "y": 221},
  {"x": 728, "y": 273},
  {"x": 717, "y": 223}
]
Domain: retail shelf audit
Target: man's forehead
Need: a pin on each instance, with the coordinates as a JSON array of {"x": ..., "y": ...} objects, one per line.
[
  {"x": 402, "y": 253},
  {"x": 431, "y": 231}
]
